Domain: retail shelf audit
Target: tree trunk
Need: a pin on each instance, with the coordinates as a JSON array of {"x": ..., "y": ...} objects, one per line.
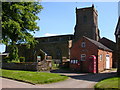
[{"x": 13, "y": 51}]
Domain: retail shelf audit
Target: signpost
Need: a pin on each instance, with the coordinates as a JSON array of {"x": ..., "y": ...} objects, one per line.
[{"x": 38, "y": 58}]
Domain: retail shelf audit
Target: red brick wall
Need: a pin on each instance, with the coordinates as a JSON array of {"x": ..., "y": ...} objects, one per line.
[
  {"x": 111, "y": 45},
  {"x": 77, "y": 50},
  {"x": 102, "y": 63},
  {"x": 75, "y": 67}
]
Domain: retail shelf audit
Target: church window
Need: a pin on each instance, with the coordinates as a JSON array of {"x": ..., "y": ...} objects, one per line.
[{"x": 83, "y": 44}]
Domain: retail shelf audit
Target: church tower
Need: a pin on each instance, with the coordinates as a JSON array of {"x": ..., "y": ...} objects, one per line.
[{"x": 87, "y": 23}]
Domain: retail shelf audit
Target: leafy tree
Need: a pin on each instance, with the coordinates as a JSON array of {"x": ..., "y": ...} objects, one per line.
[{"x": 18, "y": 21}]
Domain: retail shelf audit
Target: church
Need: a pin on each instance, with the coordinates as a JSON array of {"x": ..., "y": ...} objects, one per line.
[{"x": 61, "y": 46}]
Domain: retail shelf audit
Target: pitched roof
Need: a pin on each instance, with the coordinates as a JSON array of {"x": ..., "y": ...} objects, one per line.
[
  {"x": 54, "y": 36},
  {"x": 117, "y": 31},
  {"x": 108, "y": 43},
  {"x": 98, "y": 44}
]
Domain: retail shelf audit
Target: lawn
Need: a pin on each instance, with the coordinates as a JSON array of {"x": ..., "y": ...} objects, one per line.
[
  {"x": 105, "y": 84},
  {"x": 33, "y": 77}
]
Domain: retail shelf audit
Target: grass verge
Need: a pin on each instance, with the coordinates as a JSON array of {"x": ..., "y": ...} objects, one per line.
[
  {"x": 33, "y": 77},
  {"x": 109, "y": 84}
]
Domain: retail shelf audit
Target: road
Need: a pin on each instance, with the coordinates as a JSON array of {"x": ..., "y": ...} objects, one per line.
[{"x": 82, "y": 80}]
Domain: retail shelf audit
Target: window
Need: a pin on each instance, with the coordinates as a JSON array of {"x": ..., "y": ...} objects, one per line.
[
  {"x": 83, "y": 57},
  {"x": 107, "y": 55},
  {"x": 101, "y": 57},
  {"x": 83, "y": 44},
  {"x": 74, "y": 61},
  {"x": 71, "y": 61}
]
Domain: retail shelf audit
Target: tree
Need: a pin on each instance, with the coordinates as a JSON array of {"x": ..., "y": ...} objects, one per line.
[{"x": 18, "y": 21}]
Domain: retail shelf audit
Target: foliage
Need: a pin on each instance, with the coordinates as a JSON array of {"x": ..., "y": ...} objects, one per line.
[
  {"x": 109, "y": 83},
  {"x": 13, "y": 52},
  {"x": 33, "y": 77},
  {"x": 18, "y": 22},
  {"x": 54, "y": 65},
  {"x": 22, "y": 59},
  {"x": 15, "y": 61},
  {"x": 6, "y": 59}
]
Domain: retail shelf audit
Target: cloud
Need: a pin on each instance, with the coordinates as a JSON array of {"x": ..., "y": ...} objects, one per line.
[{"x": 50, "y": 34}]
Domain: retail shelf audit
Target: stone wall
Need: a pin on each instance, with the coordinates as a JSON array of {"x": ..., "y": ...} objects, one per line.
[
  {"x": 30, "y": 66},
  {"x": 20, "y": 66}
]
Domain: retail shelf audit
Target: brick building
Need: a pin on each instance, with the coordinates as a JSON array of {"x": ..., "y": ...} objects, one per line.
[{"x": 83, "y": 49}]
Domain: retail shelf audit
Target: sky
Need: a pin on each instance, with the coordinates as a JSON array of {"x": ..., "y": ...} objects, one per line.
[
  {"x": 59, "y": 18},
  {"x": 119, "y": 8}
]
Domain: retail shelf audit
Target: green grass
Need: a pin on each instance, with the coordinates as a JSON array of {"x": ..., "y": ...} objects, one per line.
[
  {"x": 106, "y": 84},
  {"x": 114, "y": 69},
  {"x": 33, "y": 77}
]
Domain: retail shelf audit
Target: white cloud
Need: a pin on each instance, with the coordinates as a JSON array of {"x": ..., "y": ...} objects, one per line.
[{"x": 50, "y": 34}]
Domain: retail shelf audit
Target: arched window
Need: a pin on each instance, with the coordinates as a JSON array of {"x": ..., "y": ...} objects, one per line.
[{"x": 83, "y": 44}]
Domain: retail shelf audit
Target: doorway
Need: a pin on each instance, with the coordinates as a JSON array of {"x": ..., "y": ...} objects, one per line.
[{"x": 107, "y": 61}]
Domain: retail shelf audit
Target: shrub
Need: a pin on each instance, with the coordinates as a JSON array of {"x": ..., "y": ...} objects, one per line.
[
  {"x": 6, "y": 59},
  {"x": 15, "y": 61},
  {"x": 55, "y": 65},
  {"x": 22, "y": 59}
]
